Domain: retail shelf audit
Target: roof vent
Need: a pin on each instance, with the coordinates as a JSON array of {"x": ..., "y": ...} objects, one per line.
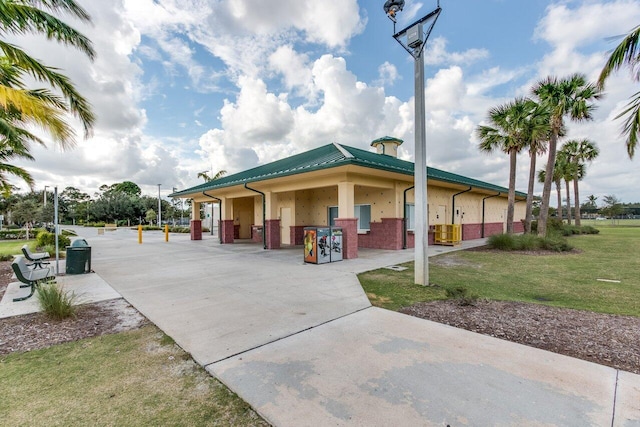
[{"x": 387, "y": 145}]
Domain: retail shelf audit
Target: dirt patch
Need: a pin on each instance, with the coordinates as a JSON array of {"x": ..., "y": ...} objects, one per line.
[
  {"x": 601, "y": 338},
  {"x": 35, "y": 331}
]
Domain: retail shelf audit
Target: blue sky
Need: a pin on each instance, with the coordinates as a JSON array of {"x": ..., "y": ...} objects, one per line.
[{"x": 183, "y": 86}]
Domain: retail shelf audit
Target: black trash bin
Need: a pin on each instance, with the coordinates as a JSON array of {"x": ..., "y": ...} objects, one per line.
[{"x": 78, "y": 257}]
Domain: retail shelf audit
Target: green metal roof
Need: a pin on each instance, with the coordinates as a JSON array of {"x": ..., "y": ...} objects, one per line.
[{"x": 331, "y": 156}]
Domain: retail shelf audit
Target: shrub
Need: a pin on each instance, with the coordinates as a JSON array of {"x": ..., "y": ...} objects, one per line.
[
  {"x": 461, "y": 296},
  {"x": 55, "y": 302},
  {"x": 503, "y": 242},
  {"x": 49, "y": 239},
  {"x": 526, "y": 242},
  {"x": 6, "y": 257},
  {"x": 587, "y": 229},
  {"x": 555, "y": 243}
]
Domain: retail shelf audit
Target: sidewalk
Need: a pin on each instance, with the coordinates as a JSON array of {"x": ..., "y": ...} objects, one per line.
[{"x": 303, "y": 346}]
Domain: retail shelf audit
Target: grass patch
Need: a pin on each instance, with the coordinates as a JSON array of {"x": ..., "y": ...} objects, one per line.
[
  {"x": 563, "y": 280},
  {"x": 56, "y": 302},
  {"x": 8, "y": 248},
  {"x": 122, "y": 379}
]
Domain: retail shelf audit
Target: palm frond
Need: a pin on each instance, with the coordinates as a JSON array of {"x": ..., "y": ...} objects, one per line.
[{"x": 627, "y": 53}]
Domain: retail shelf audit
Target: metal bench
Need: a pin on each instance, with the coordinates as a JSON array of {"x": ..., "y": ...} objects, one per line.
[
  {"x": 30, "y": 277},
  {"x": 37, "y": 258}
]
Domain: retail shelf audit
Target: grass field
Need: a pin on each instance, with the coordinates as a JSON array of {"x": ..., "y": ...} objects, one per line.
[
  {"x": 133, "y": 378},
  {"x": 13, "y": 247},
  {"x": 563, "y": 280}
]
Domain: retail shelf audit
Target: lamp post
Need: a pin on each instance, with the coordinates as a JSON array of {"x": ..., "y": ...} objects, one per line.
[
  {"x": 413, "y": 39},
  {"x": 159, "y": 208},
  {"x": 45, "y": 195}
]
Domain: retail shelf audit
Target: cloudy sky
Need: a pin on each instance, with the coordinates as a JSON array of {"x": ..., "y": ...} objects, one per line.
[{"x": 185, "y": 86}]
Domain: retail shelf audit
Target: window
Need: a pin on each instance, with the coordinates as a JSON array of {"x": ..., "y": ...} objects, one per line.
[
  {"x": 363, "y": 213},
  {"x": 333, "y": 214},
  {"x": 411, "y": 216}
]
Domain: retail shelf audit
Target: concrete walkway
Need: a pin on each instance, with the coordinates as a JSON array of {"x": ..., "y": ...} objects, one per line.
[{"x": 303, "y": 346}]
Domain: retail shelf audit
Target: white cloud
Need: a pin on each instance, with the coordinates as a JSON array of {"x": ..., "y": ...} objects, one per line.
[{"x": 437, "y": 54}]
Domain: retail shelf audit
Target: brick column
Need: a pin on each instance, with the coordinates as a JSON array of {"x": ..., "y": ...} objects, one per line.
[
  {"x": 196, "y": 229},
  {"x": 272, "y": 228},
  {"x": 226, "y": 230},
  {"x": 349, "y": 236}
]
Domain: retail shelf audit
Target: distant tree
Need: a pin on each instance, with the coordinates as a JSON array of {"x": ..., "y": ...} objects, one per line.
[
  {"x": 150, "y": 216},
  {"x": 572, "y": 96},
  {"x": 205, "y": 175},
  {"x": 612, "y": 206},
  {"x": 25, "y": 210},
  {"x": 579, "y": 153},
  {"x": 591, "y": 200},
  {"x": 627, "y": 53},
  {"x": 127, "y": 187}
]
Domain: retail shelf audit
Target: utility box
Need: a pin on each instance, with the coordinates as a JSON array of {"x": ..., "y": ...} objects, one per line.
[
  {"x": 78, "y": 257},
  {"x": 322, "y": 244},
  {"x": 414, "y": 36}
]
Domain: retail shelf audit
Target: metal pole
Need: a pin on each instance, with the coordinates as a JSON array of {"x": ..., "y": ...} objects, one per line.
[
  {"x": 421, "y": 263},
  {"x": 45, "y": 195},
  {"x": 55, "y": 224},
  {"x": 159, "y": 207}
]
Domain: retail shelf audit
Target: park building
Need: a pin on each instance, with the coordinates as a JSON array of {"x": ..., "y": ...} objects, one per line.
[{"x": 369, "y": 194}]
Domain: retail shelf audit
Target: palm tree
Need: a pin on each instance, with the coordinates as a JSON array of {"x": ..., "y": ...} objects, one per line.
[
  {"x": 537, "y": 136},
  {"x": 205, "y": 175},
  {"x": 627, "y": 53},
  {"x": 557, "y": 180},
  {"x": 508, "y": 134},
  {"x": 41, "y": 107},
  {"x": 579, "y": 152},
  {"x": 567, "y": 171},
  {"x": 571, "y": 96}
]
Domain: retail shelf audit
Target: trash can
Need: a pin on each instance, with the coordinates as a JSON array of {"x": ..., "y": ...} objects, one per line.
[{"x": 78, "y": 257}]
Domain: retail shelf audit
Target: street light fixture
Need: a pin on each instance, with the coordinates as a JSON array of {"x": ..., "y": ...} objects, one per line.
[{"x": 413, "y": 39}]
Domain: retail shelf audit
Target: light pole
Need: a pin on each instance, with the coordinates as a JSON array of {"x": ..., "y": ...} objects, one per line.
[
  {"x": 413, "y": 39},
  {"x": 159, "y": 208},
  {"x": 45, "y": 195}
]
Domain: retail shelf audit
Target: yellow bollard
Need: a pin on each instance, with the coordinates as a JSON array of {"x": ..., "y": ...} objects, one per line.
[
  {"x": 166, "y": 232},
  {"x": 140, "y": 234}
]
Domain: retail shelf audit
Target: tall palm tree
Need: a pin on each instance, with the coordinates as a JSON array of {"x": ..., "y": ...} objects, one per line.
[
  {"x": 41, "y": 107},
  {"x": 579, "y": 153},
  {"x": 627, "y": 53},
  {"x": 571, "y": 96},
  {"x": 507, "y": 133},
  {"x": 537, "y": 137},
  {"x": 557, "y": 180},
  {"x": 567, "y": 171}
]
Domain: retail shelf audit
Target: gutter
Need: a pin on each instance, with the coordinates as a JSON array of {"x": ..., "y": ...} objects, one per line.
[
  {"x": 264, "y": 215},
  {"x": 404, "y": 219},
  {"x": 483, "y": 199},
  {"x": 453, "y": 204},
  {"x": 219, "y": 215}
]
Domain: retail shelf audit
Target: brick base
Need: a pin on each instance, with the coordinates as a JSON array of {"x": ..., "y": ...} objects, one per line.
[
  {"x": 386, "y": 234},
  {"x": 226, "y": 230},
  {"x": 349, "y": 236},
  {"x": 196, "y": 229},
  {"x": 297, "y": 234},
  {"x": 272, "y": 228}
]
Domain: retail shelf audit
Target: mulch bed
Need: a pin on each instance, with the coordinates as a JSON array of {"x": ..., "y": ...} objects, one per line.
[{"x": 601, "y": 338}]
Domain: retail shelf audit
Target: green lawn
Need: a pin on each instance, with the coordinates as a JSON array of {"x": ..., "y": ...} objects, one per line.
[
  {"x": 564, "y": 280},
  {"x": 132, "y": 378},
  {"x": 14, "y": 247}
]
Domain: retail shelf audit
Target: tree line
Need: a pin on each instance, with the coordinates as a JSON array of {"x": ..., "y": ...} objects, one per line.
[
  {"x": 537, "y": 123},
  {"x": 120, "y": 203}
]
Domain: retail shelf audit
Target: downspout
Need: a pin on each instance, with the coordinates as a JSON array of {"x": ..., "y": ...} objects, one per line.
[
  {"x": 264, "y": 215},
  {"x": 404, "y": 218},
  {"x": 453, "y": 204},
  {"x": 219, "y": 215},
  {"x": 483, "y": 199}
]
